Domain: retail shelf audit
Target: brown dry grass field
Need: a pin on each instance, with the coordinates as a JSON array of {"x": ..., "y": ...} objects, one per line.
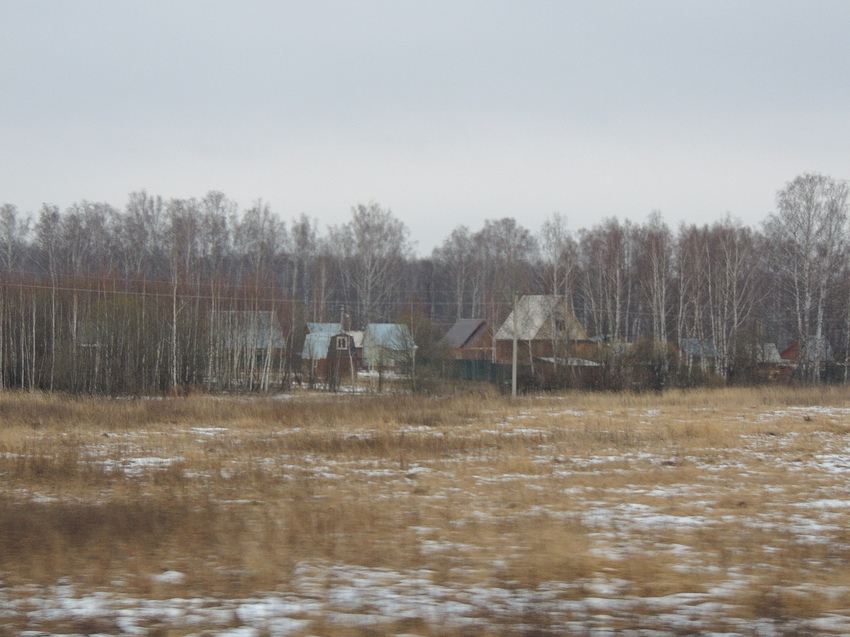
[{"x": 692, "y": 512}]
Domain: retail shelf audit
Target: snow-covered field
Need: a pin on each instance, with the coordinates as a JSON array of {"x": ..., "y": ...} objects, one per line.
[{"x": 544, "y": 518}]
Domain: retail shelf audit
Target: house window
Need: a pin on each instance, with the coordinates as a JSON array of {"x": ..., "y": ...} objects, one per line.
[
  {"x": 561, "y": 325},
  {"x": 342, "y": 342}
]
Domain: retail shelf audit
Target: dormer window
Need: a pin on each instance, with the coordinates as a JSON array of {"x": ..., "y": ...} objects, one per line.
[{"x": 342, "y": 342}]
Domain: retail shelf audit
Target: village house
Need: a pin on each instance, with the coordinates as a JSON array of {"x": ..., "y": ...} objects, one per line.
[
  {"x": 388, "y": 346},
  {"x": 771, "y": 364},
  {"x": 315, "y": 349},
  {"x": 470, "y": 339},
  {"x": 252, "y": 343},
  {"x": 820, "y": 352},
  {"x": 330, "y": 357},
  {"x": 545, "y": 328},
  {"x": 356, "y": 343},
  {"x": 256, "y": 331},
  {"x": 817, "y": 358},
  {"x": 695, "y": 352}
]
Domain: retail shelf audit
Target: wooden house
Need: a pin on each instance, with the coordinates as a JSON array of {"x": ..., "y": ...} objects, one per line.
[
  {"x": 695, "y": 352},
  {"x": 330, "y": 357},
  {"x": 820, "y": 352},
  {"x": 249, "y": 347},
  {"x": 388, "y": 345},
  {"x": 316, "y": 346},
  {"x": 545, "y": 327},
  {"x": 255, "y": 331},
  {"x": 470, "y": 339}
]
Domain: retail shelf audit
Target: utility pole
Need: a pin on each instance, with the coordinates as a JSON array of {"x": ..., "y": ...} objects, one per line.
[
  {"x": 513, "y": 362},
  {"x": 349, "y": 344}
]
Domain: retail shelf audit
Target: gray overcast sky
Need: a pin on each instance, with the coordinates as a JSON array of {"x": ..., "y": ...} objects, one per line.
[{"x": 448, "y": 113}]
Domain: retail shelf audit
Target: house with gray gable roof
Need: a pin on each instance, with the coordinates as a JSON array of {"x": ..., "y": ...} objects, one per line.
[
  {"x": 544, "y": 324},
  {"x": 388, "y": 345}
]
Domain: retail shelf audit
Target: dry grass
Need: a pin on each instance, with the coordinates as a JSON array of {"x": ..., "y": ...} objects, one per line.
[{"x": 630, "y": 497}]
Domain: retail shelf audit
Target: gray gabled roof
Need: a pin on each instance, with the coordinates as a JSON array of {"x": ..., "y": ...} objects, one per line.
[
  {"x": 769, "y": 353},
  {"x": 316, "y": 346},
  {"x": 387, "y": 342},
  {"x": 538, "y": 317},
  {"x": 462, "y": 332},
  {"x": 697, "y": 347}
]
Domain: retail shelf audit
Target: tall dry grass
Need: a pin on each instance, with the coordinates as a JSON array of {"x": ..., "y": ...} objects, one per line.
[{"x": 665, "y": 494}]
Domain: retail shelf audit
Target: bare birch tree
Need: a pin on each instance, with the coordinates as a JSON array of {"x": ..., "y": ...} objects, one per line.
[
  {"x": 371, "y": 250},
  {"x": 607, "y": 262},
  {"x": 808, "y": 233},
  {"x": 49, "y": 236},
  {"x": 456, "y": 257},
  {"x": 14, "y": 232},
  {"x": 559, "y": 253}
]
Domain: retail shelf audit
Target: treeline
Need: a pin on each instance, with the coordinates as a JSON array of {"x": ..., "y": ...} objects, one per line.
[{"x": 142, "y": 299}]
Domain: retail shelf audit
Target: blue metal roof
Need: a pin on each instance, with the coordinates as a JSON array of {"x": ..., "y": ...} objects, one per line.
[{"x": 395, "y": 336}]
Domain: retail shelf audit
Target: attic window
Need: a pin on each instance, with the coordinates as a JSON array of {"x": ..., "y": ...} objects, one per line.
[
  {"x": 561, "y": 325},
  {"x": 342, "y": 342}
]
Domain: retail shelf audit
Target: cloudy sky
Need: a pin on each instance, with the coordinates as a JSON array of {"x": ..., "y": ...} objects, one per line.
[{"x": 448, "y": 112}]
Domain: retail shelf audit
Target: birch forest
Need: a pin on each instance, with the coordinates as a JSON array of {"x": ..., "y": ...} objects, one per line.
[{"x": 152, "y": 297}]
